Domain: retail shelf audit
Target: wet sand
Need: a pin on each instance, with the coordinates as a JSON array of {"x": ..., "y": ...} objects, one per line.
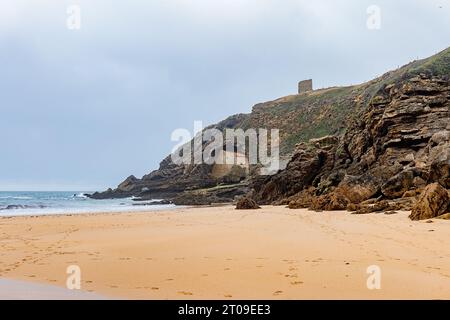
[{"x": 25, "y": 290}]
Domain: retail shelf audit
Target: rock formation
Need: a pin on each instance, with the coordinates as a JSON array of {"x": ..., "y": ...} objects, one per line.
[
  {"x": 433, "y": 201},
  {"x": 246, "y": 203},
  {"x": 373, "y": 147},
  {"x": 388, "y": 154}
]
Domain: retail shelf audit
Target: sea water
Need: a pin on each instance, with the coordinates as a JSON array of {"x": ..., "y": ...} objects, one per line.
[{"x": 17, "y": 203}]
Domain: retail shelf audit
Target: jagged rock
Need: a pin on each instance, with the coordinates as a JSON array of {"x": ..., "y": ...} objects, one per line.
[
  {"x": 301, "y": 200},
  {"x": 246, "y": 203},
  {"x": 440, "y": 156},
  {"x": 189, "y": 199},
  {"x": 324, "y": 143},
  {"x": 404, "y": 203},
  {"x": 412, "y": 193},
  {"x": 358, "y": 188},
  {"x": 108, "y": 194},
  {"x": 301, "y": 171},
  {"x": 353, "y": 207},
  {"x": 128, "y": 184},
  {"x": 419, "y": 183},
  {"x": 330, "y": 201},
  {"x": 392, "y": 149},
  {"x": 208, "y": 196},
  {"x": 374, "y": 207},
  {"x": 445, "y": 216},
  {"x": 433, "y": 202},
  {"x": 152, "y": 203},
  {"x": 396, "y": 186}
]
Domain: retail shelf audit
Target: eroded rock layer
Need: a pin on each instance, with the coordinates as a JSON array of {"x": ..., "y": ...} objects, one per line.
[
  {"x": 389, "y": 153},
  {"x": 372, "y": 147}
]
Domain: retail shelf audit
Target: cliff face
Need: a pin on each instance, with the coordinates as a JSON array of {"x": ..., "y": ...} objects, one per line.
[
  {"x": 185, "y": 184},
  {"x": 347, "y": 145},
  {"x": 393, "y": 148}
]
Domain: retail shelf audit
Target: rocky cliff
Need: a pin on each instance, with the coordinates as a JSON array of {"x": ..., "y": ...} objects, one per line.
[
  {"x": 388, "y": 154},
  {"x": 364, "y": 147}
]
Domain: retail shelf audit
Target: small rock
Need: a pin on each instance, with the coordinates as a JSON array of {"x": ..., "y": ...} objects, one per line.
[
  {"x": 246, "y": 203},
  {"x": 396, "y": 186}
]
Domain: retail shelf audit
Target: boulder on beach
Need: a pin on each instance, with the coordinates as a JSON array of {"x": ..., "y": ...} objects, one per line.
[
  {"x": 432, "y": 202},
  {"x": 246, "y": 203}
]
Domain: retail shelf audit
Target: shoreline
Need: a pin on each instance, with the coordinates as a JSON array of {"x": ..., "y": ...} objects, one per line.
[
  {"x": 89, "y": 213},
  {"x": 27, "y": 290},
  {"x": 217, "y": 252}
]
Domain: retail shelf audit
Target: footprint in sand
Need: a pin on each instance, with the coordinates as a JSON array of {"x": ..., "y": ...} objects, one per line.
[
  {"x": 228, "y": 296},
  {"x": 155, "y": 288},
  {"x": 296, "y": 283},
  {"x": 289, "y": 261},
  {"x": 277, "y": 293},
  {"x": 185, "y": 293}
]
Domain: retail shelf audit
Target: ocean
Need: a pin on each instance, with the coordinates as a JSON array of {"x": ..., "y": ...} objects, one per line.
[{"x": 16, "y": 203}]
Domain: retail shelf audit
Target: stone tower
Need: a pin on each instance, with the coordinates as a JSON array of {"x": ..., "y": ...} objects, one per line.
[{"x": 305, "y": 86}]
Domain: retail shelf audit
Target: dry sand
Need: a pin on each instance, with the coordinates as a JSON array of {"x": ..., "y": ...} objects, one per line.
[{"x": 222, "y": 253}]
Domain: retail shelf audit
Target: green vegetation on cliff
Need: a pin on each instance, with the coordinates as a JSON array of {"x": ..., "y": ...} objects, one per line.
[{"x": 327, "y": 111}]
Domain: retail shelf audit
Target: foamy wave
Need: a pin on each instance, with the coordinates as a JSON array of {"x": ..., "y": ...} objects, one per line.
[
  {"x": 80, "y": 195},
  {"x": 23, "y": 206},
  {"x": 16, "y": 197}
]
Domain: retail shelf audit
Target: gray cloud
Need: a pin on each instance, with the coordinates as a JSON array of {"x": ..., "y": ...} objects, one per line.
[{"x": 83, "y": 109}]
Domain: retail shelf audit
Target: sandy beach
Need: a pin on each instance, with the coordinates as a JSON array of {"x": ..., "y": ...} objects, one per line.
[{"x": 222, "y": 253}]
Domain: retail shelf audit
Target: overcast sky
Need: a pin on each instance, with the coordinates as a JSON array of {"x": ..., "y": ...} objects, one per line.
[{"x": 83, "y": 109}]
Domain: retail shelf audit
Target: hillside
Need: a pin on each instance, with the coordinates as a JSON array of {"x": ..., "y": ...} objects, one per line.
[
  {"x": 326, "y": 112},
  {"x": 393, "y": 155}
]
